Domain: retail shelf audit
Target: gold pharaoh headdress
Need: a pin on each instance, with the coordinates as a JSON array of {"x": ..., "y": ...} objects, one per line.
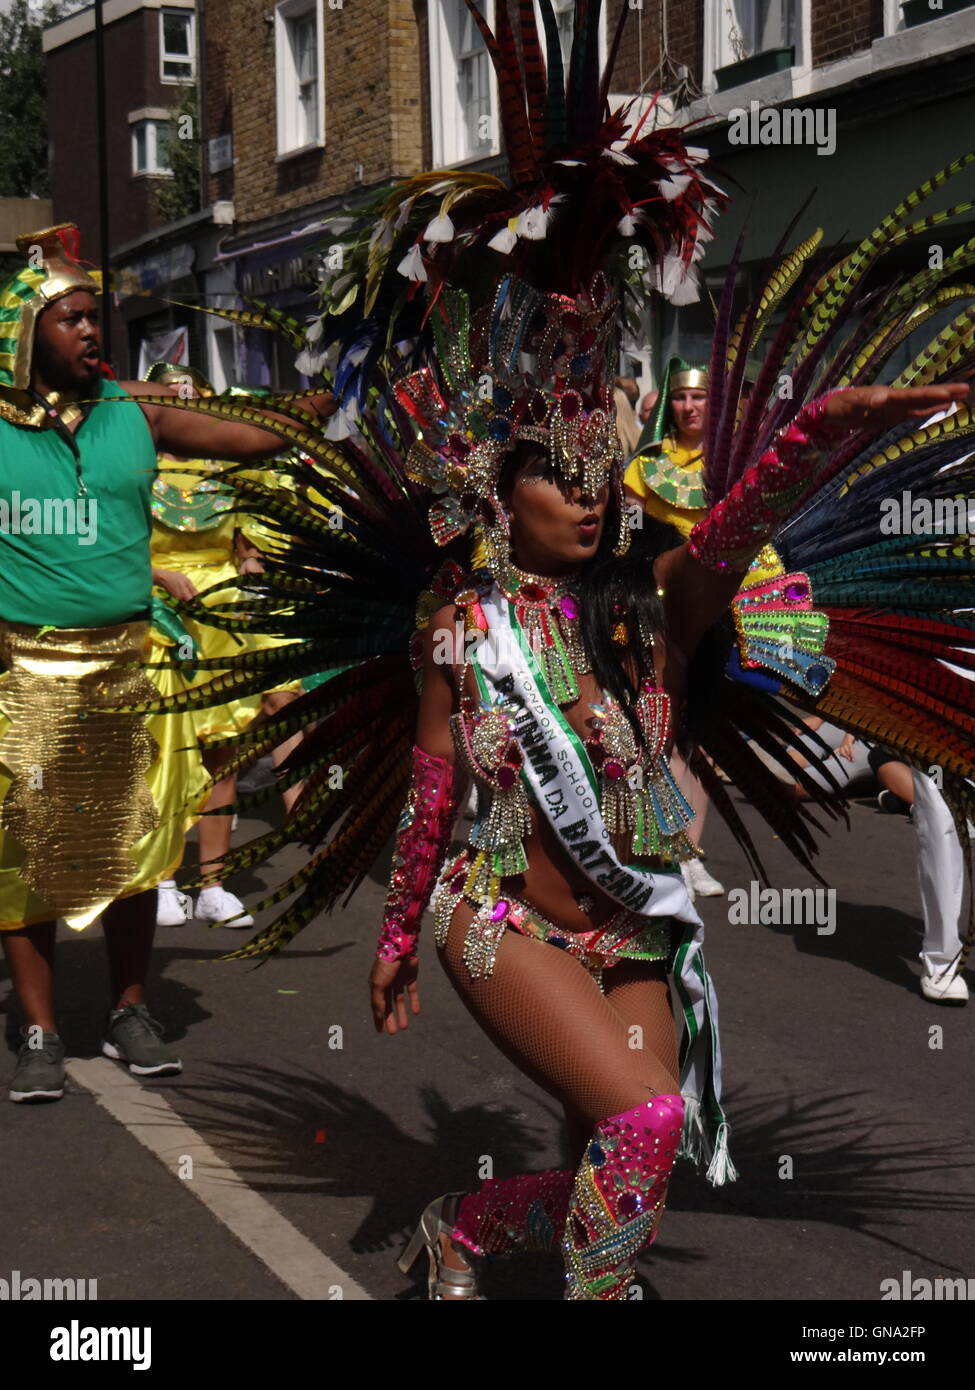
[{"x": 52, "y": 271}]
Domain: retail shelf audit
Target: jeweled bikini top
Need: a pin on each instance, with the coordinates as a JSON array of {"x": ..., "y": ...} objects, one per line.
[{"x": 639, "y": 797}]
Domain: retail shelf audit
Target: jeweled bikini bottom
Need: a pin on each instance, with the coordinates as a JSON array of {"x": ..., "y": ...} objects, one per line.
[{"x": 625, "y": 936}]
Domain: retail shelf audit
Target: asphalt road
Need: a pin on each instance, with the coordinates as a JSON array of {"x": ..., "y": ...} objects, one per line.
[{"x": 852, "y": 1124}]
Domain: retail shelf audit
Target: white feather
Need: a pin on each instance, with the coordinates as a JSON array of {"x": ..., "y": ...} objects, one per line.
[
  {"x": 412, "y": 265},
  {"x": 382, "y": 234},
  {"x": 309, "y": 363},
  {"x": 504, "y": 241},
  {"x": 673, "y": 187},
  {"x": 533, "y": 224},
  {"x": 439, "y": 229}
]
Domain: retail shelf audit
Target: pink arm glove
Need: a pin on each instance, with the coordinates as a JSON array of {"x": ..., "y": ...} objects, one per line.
[
  {"x": 422, "y": 841},
  {"x": 734, "y": 531}
]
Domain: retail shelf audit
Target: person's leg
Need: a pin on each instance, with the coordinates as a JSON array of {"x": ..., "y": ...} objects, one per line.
[
  {"x": 29, "y": 952},
  {"x": 695, "y": 875},
  {"x": 941, "y": 876},
  {"x": 214, "y": 831},
  {"x": 546, "y": 1013},
  {"x": 896, "y": 777},
  {"x": 272, "y": 703},
  {"x": 694, "y": 792},
  {"x": 129, "y": 926},
  {"x": 131, "y": 1034}
]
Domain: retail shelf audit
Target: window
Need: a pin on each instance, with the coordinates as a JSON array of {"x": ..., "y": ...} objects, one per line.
[
  {"x": 150, "y": 146},
  {"x": 473, "y": 81},
  {"x": 767, "y": 24},
  {"x": 462, "y": 84},
  {"x": 300, "y": 65},
  {"x": 177, "y": 46},
  {"x": 738, "y": 29}
]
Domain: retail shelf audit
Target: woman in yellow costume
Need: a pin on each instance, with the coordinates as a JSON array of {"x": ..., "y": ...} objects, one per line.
[
  {"x": 666, "y": 480},
  {"x": 199, "y": 541}
]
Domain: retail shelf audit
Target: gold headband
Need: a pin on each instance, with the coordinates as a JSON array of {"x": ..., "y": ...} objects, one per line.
[{"x": 691, "y": 379}]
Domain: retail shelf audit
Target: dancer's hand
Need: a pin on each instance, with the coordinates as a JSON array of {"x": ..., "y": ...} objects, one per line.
[
  {"x": 389, "y": 982},
  {"x": 174, "y": 583},
  {"x": 879, "y": 407},
  {"x": 845, "y": 749}
]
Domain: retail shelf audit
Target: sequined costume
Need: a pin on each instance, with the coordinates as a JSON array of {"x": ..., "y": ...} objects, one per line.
[
  {"x": 472, "y": 316},
  {"x": 95, "y": 804}
]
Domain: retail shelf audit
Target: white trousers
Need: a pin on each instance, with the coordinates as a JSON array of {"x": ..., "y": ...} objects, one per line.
[
  {"x": 940, "y": 875},
  {"x": 940, "y": 865}
]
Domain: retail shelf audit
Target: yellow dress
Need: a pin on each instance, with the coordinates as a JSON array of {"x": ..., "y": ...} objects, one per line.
[
  {"x": 193, "y": 533},
  {"x": 669, "y": 485}
]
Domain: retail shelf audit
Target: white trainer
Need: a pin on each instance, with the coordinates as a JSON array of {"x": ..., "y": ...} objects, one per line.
[
  {"x": 173, "y": 908},
  {"x": 944, "y": 988},
  {"x": 697, "y": 878},
  {"x": 216, "y": 905}
]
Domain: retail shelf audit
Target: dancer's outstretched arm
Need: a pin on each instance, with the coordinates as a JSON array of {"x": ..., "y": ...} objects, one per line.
[{"x": 701, "y": 578}]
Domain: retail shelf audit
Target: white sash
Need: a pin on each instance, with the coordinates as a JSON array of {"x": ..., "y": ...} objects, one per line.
[{"x": 563, "y": 786}]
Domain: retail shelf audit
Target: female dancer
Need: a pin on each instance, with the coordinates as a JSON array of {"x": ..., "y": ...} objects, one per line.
[
  {"x": 478, "y": 324},
  {"x": 642, "y": 620}
]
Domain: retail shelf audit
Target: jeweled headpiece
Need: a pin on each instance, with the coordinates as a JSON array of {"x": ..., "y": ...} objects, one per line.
[
  {"x": 497, "y": 307},
  {"x": 534, "y": 366}
]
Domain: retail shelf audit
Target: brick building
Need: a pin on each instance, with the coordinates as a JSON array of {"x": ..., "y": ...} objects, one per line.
[
  {"x": 150, "y": 63},
  {"x": 893, "y": 82},
  {"x": 309, "y": 105}
]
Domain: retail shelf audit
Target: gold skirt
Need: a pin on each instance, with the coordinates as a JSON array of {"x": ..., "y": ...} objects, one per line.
[{"x": 94, "y": 805}]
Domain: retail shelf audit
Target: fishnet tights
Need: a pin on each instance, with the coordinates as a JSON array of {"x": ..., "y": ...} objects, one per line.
[{"x": 597, "y": 1054}]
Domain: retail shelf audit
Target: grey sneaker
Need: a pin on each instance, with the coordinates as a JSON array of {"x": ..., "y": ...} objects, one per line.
[
  {"x": 135, "y": 1037},
  {"x": 40, "y": 1070}
]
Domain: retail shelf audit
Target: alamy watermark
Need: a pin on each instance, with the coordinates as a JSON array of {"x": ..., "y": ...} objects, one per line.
[
  {"x": 77, "y": 1343},
  {"x": 914, "y": 1290},
  {"x": 908, "y": 515},
  {"x": 783, "y": 907},
  {"x": 50, "y": 516},
  {"x": 783, "y": 125},
  {"x": 21, "y": 1288}
]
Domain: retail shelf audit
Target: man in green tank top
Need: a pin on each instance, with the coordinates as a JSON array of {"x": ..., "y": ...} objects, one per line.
[{"x": 82, "y": 826}]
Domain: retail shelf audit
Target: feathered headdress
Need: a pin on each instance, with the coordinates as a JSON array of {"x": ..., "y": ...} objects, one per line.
[{"x": 497, "y": 307}]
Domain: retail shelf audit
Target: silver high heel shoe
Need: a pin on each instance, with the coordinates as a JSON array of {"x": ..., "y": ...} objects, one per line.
[{"x": 443, "y": 1283}]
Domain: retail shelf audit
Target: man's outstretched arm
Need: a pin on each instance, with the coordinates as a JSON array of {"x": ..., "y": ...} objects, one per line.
[{"x": 193, "y": 434}]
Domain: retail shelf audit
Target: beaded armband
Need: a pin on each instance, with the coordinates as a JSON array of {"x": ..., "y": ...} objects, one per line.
[
  {"x": 737, "y": 527},
  {"x": 422, "y": 841}
]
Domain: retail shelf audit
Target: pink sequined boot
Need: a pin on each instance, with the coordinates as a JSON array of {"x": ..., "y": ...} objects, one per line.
[
  {"x": 513, "y": 1214},
  {"x": 618, "y": 1197}
]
